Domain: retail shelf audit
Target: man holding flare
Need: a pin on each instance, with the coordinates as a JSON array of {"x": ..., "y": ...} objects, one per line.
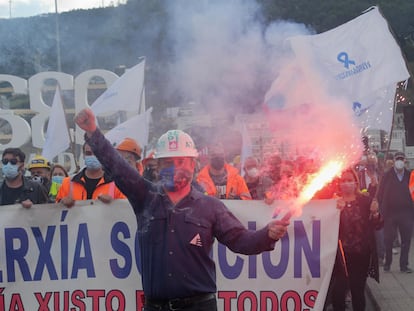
[{"x": 177, "y": 224}]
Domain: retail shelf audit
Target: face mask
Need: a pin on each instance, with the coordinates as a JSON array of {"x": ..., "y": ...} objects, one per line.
[
  {"x": 174, "y": 179},
  {"x": 399, "y": 164},
  {"x": 92, "y": 162},
  {"x": 217, "y": 163},
  {"x": 10, "y": 171},
  {"x": 58, "y": 179},
  {"x": 347, "y": 187},
  {"x": 253, "y": 172}
]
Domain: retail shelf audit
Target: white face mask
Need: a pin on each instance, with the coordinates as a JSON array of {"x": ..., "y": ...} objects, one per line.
[
  {"x": 253, "y": 172},
  {"x": 399, "y": 164}
]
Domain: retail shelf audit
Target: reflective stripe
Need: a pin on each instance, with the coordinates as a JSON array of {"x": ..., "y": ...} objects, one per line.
[{"x": 111, "y": 191}]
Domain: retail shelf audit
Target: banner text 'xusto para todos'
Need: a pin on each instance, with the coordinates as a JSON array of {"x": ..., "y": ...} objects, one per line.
[{"x": 87, "y": 258}]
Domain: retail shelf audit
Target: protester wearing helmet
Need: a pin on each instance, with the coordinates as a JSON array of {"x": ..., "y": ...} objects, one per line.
[
  {"x": 177, "y": 224},
  {"x": 39, "y": 168},
  {"x": 176, "y": 155},
  {"x": 131, "y": 151}
]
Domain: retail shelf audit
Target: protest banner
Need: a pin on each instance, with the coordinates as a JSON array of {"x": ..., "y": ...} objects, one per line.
[{"x": 87, "y": 258}]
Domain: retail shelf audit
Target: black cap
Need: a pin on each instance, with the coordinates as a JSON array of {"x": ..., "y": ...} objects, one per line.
[{"x": 399, "y": 155}]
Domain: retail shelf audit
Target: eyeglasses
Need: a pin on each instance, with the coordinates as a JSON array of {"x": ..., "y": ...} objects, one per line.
[{"x": 12, "y": 161}]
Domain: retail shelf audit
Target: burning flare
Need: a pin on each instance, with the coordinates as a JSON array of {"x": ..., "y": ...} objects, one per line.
[{"x": 325, "y": 175}]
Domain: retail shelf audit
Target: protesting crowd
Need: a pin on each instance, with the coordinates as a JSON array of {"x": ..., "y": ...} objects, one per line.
[{"x": 172, "y": 196}]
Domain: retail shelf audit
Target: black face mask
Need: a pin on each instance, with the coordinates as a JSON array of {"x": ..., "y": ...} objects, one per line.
[{"x": 217, "y": 163}]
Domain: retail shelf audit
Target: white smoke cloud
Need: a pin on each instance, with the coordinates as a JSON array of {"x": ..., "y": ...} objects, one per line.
[
  {"x": 223, "y": 53},
  {"x": 225, "y": 58}
]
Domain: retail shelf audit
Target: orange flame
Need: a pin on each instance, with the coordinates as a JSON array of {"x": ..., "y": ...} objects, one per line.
[
  {"x": 325, "y": 175},
  {"x": 322, "y": 178}
]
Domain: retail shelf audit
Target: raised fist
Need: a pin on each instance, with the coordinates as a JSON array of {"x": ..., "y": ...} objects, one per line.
[{"x": 85, "y": 119}]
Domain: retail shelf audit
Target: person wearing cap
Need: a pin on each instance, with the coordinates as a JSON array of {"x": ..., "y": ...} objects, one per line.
[
  {"x": 177, "y": 224},
  {"x": 16, "y": 188},
  {"x": 396, "y": 205},
  {"x": 130, "y": 150},
  {"x": 258, "y": 184},
  {"x": 39, "y": 168},
  {"x": 221, "y": 179},
  {"x": 91, "y": 183}
]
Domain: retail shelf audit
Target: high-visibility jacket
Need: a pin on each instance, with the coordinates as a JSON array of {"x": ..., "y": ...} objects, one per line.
[
  {"x": 53, "y": 191},
  {"x": 411, "y": 184},
  {"x": 235, "y": 188},
  {"x": 75, "y": 186}
]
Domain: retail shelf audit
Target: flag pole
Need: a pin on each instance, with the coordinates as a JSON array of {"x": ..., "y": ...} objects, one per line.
[{"x": 71, "y": 141}]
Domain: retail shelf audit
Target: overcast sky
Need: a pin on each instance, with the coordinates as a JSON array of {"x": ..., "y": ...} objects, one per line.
[{"x": 25, "y": 8}]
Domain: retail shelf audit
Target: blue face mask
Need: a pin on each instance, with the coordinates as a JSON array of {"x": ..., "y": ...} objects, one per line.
[
  {"x": 10, "y": 171},
  {"x": 92, "y": 162},
  {"x": 58, "y": 179},
  {"x": 167, "y": 178},
  {"x": 174, "y": 179}
]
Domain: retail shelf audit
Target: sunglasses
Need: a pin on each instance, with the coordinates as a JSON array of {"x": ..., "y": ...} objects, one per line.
[{"x": 12, "y": 161}]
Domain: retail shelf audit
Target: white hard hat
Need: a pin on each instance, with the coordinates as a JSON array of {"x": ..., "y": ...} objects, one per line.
[{"x": 175, "y": 143}]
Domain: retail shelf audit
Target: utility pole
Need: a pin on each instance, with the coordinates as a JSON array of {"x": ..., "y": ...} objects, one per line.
[{"x": 59, "y": 66}]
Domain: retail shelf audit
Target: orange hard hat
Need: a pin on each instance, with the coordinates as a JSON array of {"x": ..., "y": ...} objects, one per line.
[
  {"x": 129, "y": 144},
  {"x": 149, "y": 157}
]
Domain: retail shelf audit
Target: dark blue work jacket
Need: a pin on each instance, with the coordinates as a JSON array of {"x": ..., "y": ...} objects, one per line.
[{"x": 175, "y": 241}]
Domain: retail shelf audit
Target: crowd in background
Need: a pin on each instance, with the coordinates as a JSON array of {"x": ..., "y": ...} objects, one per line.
[{"x": 374, "y": 198}]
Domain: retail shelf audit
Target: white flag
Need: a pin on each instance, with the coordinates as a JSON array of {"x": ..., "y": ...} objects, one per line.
[
  {"x": 57, "y": 138},
  {"x": 136, "y": 127},
  {"x": 142, "y": 105},
  {"x": 376, "y": 110},
  {"x": 124, "y": 94},
  {"x": 359, "y": 61},
  {"x": 357, "y": 58}
]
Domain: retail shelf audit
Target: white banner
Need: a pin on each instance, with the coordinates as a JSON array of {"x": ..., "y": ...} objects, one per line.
[{"x": 85, "y": 258}]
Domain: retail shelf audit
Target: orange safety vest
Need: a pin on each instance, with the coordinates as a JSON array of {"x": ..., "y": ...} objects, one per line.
[
  {"x": 236, "y": 185},
  {"x": 74, "y": 186},
  {"x": 411, "y": 184}
]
